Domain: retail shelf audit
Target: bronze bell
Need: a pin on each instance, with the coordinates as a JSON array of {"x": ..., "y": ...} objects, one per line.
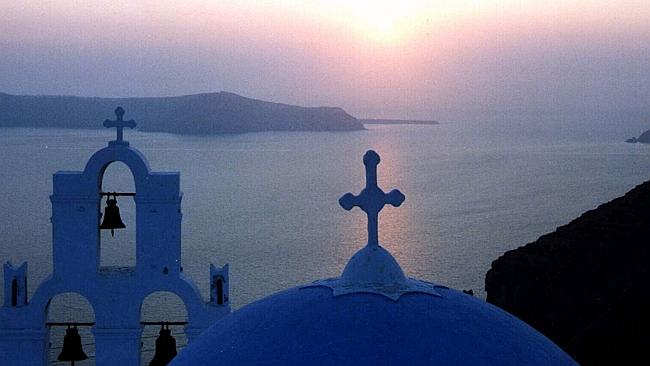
[
  {"x": 72, "y": 348},
  {"x": 165, "y": 348},
  {"x": 112, "y": 219}
]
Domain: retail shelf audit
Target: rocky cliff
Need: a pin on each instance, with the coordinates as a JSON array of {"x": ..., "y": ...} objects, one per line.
[
  {"x": 585, "y": 285},
  {"x": 210, "y": 113}
]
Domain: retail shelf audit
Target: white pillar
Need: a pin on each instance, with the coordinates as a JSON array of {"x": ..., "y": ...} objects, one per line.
[
  {"x": 23, "y": 347},
  {"x": 117, "y": 347}
]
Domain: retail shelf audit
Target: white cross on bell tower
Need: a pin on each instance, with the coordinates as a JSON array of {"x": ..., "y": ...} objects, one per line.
[{"x": 119, "y": 124}]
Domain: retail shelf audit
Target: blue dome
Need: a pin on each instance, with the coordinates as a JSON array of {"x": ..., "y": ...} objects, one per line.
[
  {"x": 372, "y": 315},
  {"x": 309, "y": 325}
]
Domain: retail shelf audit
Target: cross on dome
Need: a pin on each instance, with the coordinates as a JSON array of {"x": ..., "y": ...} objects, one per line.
[
  {"x": 119, "y": 124},
  {"x": 373, "y": 269},
  {"x": 372, "y": 199}
]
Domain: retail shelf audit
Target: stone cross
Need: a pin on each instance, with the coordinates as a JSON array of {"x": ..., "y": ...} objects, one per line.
[
  {"x": 372, "y": 199},
  {"x": 119, "y": 123}
]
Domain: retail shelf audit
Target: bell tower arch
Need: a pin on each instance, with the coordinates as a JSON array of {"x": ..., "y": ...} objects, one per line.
[
  {"x": 118, "y": 219},
  {"x": 115, "y": 293},
  {"x": 76, "y": 217}
]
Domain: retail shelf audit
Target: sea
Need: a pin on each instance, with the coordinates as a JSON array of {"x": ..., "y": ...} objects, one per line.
[{"x": 267, "y": 203}]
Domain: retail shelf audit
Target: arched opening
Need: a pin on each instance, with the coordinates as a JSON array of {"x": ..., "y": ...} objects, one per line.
[
  {"x": 161, "y": 306},
  {"x": 70, "y": 307},
  {"x": 219, "y": 286},
  {"x": 14, "y": 292},
  {"x": 118, "y": 249}
]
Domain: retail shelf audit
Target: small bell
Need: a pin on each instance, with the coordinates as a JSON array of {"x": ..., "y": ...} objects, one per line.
[
  {"x": 112, "y": 219},
  {"x": 72, "y": 349},
  {"x": 165, "y": 348}
]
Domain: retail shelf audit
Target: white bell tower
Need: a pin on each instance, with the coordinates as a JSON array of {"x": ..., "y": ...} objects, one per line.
[{"x": 115, "y": 293}]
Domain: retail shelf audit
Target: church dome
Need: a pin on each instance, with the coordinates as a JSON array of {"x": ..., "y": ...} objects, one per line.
[
  {"x": 310, "y": 326},
  {"x": 372, "y": 315}
]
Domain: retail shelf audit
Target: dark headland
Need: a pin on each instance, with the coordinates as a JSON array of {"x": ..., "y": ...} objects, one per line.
[
  {"x": 211, "y": 113},
  {"x": 585, "y": 286}
]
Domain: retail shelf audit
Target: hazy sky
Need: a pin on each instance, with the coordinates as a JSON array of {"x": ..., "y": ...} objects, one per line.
[{"x": 402, "y": 58}]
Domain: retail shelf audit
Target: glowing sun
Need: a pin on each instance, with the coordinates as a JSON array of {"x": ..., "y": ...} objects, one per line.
[{"x": 386, "y": 20}]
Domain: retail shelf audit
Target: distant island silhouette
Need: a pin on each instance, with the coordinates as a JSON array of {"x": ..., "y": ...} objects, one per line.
[
  {"x": 382, "y": 121},
  {"x": 210, "y": 113},
  {"x": 644, "y": 138}
]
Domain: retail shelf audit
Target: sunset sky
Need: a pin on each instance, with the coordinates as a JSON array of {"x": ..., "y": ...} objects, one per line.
[{"x": 409, "y": 59}]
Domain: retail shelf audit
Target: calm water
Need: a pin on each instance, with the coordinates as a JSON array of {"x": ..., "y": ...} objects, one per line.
[{"x": 267, "y": 202}]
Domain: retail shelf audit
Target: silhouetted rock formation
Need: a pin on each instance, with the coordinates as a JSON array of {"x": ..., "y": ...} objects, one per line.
[
  {"x": 211, "y": 113},
  {"x": 644, "y": 138},
  {"x": 585, "y": 285}
]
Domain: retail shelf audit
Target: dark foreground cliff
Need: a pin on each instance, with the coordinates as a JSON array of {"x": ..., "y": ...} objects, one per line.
[
  {"x": 211, "y": 113},
  {"x": 586, "y": 285}
]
